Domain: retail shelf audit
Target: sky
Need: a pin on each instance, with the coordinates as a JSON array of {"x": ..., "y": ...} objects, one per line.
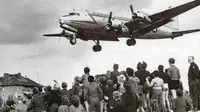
[{"x": 24, "y": 49}]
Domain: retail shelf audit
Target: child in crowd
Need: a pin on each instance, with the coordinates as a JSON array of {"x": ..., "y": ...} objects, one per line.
[
  {"x": 117, "y": 102},
  {"x": 181, "y": 104},
  {"x": 76, "y": 106},
  {"x": 64, "y": 104}
]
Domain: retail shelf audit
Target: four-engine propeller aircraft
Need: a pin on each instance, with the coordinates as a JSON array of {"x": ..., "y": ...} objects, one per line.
[{"x": 103, "y": 27}]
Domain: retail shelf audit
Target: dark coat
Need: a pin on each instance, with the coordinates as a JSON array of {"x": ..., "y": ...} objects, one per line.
[
  {"x": 181, "y": 104},
  {"x": 130, "y": 102},
  {"x": 37, "y": 103}
]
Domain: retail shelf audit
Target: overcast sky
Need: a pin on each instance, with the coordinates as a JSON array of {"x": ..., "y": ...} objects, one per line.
[{"x": 24, "y": 49}]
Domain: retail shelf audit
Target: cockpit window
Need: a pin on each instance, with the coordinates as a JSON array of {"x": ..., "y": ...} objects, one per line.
[{"x": 72, "y": 14}]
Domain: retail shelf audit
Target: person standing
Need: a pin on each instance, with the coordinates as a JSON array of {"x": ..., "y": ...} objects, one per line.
[
  {"x": 65, "y": 91},
  {"x": 193, "y": 79},
  {"x": 175, "y": 76},
  {"x": 165, "y": 77},
  {"x": 157, "y": 85},
  {"x": 93, "y": 94},
  {"x": 130, "y": 101},
  {"x": 21, "y": 107},
  {"x": 85, "y": 82},
  {"x": 115, "y": 73}
]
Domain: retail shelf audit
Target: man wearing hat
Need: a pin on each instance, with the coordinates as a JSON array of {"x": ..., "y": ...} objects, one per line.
[{"x": 174, "y": 75}]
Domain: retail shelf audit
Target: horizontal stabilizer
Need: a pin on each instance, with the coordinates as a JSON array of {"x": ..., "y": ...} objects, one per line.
[{"x": 180, "y": 33}]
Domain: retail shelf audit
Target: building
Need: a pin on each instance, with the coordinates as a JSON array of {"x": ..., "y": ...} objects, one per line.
[{"x": 14, "y": 84}]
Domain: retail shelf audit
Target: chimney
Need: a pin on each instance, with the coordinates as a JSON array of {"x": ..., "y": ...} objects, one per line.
[
  {"x": 18, "y": 75},
  {"x": 6, "y": 75}
]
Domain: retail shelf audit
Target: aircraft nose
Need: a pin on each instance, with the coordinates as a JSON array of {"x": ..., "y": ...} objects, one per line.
[{"x": 63, "y": 20}]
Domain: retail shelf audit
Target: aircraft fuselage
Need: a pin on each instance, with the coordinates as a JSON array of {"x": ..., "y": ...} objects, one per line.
[{"x": 93, "y": 26}]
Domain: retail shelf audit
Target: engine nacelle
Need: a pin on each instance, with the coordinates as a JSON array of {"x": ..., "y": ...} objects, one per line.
[
  {"x": 144, "y": 16},
  {"x": 115, "y": 26},
  {"x": 74, "y": 36}
]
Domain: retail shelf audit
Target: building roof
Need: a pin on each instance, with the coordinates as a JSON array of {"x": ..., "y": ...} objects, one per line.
[{"x": 17, "y": 80}]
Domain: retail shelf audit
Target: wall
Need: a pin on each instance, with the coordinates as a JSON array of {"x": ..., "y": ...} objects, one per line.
[{"x": 12, "y": 90}]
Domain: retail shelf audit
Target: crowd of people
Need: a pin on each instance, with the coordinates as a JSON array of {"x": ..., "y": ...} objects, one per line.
[{"x": 117, "y": 91}]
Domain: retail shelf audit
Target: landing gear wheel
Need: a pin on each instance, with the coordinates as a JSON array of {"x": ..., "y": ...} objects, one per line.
[
  {"x": 97, "y": 48},
  {"x": 72, "y": 41},
  {"x": 131, "y": 42}
]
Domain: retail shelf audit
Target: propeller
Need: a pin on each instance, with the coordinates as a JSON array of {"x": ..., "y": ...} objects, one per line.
[
  {"x": 132, "y": 12},
  {"x": 62, "y": 33},
  {"x": 109, "y": 24},
  {"x": 110, "y": 19}
]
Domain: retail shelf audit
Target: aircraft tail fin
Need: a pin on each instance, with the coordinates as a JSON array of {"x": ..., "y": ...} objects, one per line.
[
  {"x": 174, "y": 24},
  {"x": 180, "y": 33}
]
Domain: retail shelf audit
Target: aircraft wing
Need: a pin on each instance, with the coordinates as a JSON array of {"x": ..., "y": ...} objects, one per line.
[
  {"x": 173, "y": 12},
  {"x": 53, "y": 35},
  {"x": 151, "y": 27},
  {"x": 62, "y": 34},
  {"x": 162, "y": 18},
  {"x": 180, "y": 33}
]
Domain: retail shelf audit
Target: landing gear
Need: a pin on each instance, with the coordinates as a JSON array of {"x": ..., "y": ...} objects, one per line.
[
  {"x": 131, "y": 42},
  {"x": 97, "y": 47},
  {"x": 72, "y": 40}
]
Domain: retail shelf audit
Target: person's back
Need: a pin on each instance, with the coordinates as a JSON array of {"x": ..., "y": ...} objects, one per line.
[
  {"x": 55, "y": 97},
  {"x": 85, "y": 80},
  {"x": 132, "y": 80},
  {"x": 76, "y": 106},
  {"x": 94, "y": 94},
  {"x": 85, "y": 76},
  {"x": 65, "y": 92},
  {"x": 64, "y": 104},
  {"x": 21, "y": 107},
  {"x": 63, "y": 108},
  {"x": 174, "y": 73},
  {"x": 37, "y": 102},
  {"x": 165, "y": 77},
  {"x": 76, "y": 89},
  {"x": 93, "y": 89},
  {"x": 181, "y": 104},
  {"x": 142, "y": 75},
  {"x": 72, "y": 108},
  {"x": 134, "y": 84},
  {"x": 114, "y": 75},
  {"x": 129, "y": 100},
  {"x": 157, "y": 83}
]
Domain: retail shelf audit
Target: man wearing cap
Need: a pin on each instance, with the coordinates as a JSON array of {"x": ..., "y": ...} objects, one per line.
[{"x": 193, "y": 79}]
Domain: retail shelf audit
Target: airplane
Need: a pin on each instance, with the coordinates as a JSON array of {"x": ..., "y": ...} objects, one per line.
[{"x": 106, "y": 27}]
